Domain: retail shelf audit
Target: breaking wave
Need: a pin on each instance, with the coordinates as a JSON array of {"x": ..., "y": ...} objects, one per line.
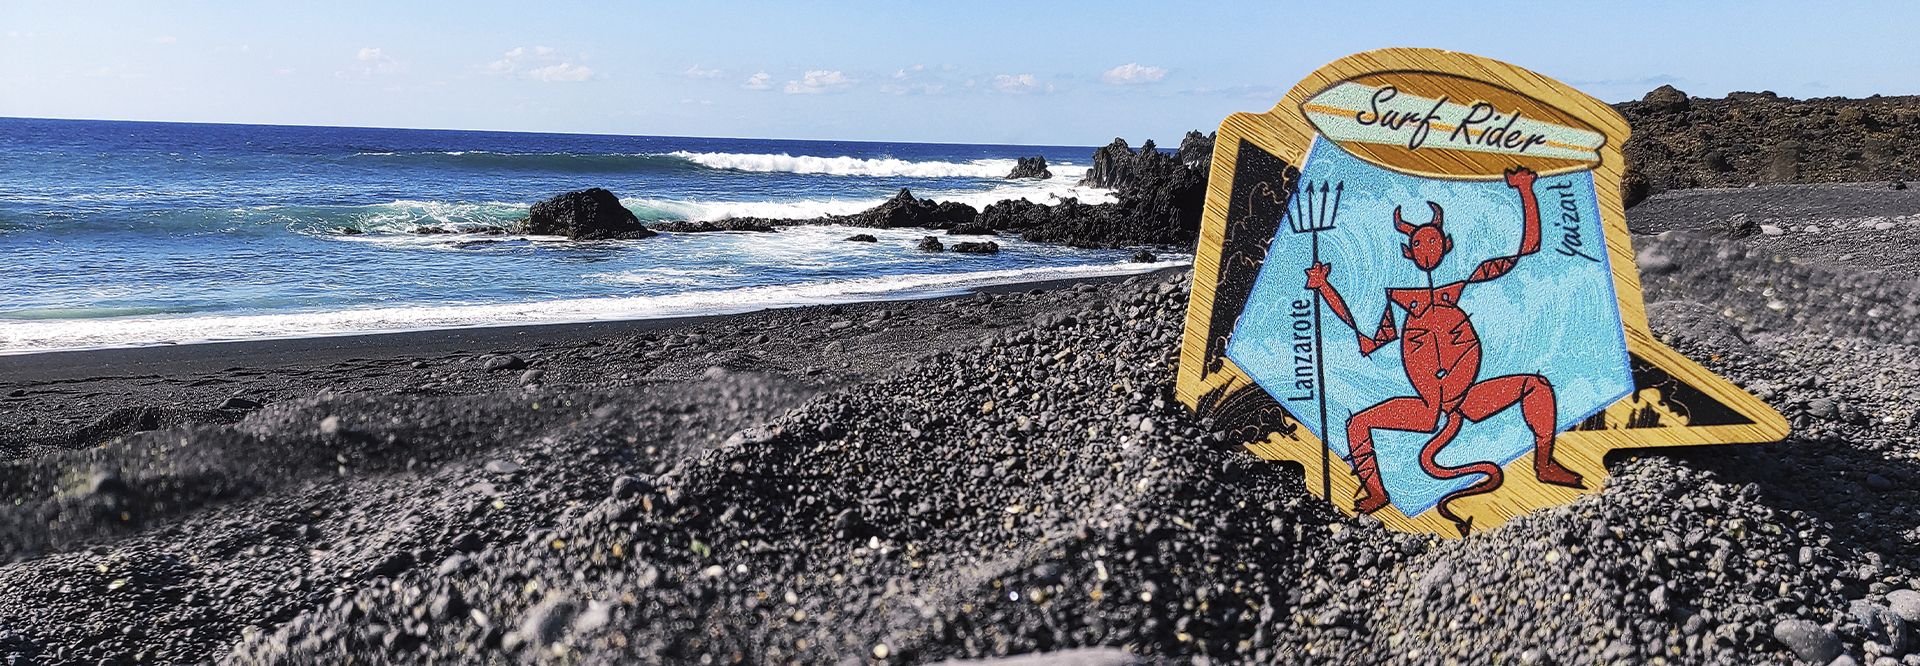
[
  {"x": 876, "y": 167},
  {"x": 847, "y": 166},
  {"x": 50, "y": 335}
]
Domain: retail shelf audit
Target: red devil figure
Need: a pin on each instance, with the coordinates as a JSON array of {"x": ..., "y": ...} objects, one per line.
[{"x": 1441, "y": 352}]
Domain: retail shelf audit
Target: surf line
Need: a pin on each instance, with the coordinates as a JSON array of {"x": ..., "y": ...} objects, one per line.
[{"x": 1303, "y": 340}]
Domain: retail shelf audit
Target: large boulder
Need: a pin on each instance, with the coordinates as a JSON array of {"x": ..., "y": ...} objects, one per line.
[
  {"x": 1031, "y": 167},
  {"x": 1666, "y": 98},
  {"x": 590, "y": 214},
  {"x": 988, "y": 247},
  {"x": 1110, "y": 164},
  {"x": 1196, "y": 151},
  {"x": 903, "y": 210}
]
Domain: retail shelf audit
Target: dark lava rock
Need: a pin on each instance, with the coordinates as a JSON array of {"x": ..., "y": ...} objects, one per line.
[
  {"x": 1143, "y": 257},
  {"x": 1016, "y": 215},
  {"x": 237, "y": 402},
  {"x": 1031, "y": 167},
  {"x": 706, "y": 226},
  {"x": 591, "y": 214},
  {"x": 628, "y": 487},
  {"x": 427, "y": 231},
  {"x": 988, "y": 247},
  {"x": 1717, "y": 161},
  {"x": 863, "y": 238},
  {"x": 1882, "y": 625},
  {"x": 931, "y": 244},
  {"x": 975, "y": 228},
  {"x": 348, "y": 231},
  {"x": 1809, "y": 641},
  {"x": 903, "y": 210},
  {"x": 1666, "y": 98},
  {"x": 1196, "y": 150},
  {"x": 1681, "y": 143},
  {"x": 1738, "y": 226},
  {"x": 1110, "y": 165},
  {"x": 1158, "y": 201},
  {"x": 503, "y": 362},
  {"x": 1634, "y": 187},
  {"x": 390, "y": 565}
]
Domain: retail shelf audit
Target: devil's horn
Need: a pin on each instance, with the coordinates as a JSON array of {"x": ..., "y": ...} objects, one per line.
[
  {"x": 1401, "y": 223},
  {"x": 1439, "y": 216}
]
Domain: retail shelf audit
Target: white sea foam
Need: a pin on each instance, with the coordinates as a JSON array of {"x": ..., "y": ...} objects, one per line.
[
  {"x": 848, "y": 166},
  {"x": 17, "y": 337}
]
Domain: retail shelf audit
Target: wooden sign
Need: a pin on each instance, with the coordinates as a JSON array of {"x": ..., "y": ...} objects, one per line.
[{"x": 1415, "y": 279}]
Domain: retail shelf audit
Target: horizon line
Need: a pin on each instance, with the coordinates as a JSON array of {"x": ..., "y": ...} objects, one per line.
[{"x": 552, "y": 133}]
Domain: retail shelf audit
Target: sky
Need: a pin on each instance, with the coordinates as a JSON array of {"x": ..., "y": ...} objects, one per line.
[{"x": 1052, "y": 73}]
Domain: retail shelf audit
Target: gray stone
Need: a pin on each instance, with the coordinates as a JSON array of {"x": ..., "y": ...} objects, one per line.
[
  {"x": 1808, "y": 641},
  {"x": 1882, "y": 626},
  {"x": 503, "y": 362},
  {"x": 548, "y": 622},
  {"x": 1905, "y": 604}
]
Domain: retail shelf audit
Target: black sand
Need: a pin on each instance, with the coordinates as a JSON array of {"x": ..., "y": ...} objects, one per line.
[{"x": 973, "y": 477}]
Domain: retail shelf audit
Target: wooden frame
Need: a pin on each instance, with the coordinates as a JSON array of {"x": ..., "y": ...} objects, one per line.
[{"x": 1217, "y": 388}]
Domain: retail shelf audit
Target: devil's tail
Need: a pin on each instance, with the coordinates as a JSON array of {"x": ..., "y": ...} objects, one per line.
[{"x": 1493, "y": 477}]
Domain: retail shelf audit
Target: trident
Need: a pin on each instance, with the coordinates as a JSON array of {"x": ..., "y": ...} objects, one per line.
[{"x": 1311, "y": 215}]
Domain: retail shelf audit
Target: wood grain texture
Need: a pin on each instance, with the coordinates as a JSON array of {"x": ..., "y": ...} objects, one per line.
[{"x": 1285, "y": 132}]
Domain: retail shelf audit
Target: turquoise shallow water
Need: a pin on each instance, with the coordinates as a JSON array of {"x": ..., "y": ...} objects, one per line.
[{"x": 118, "y": 233}]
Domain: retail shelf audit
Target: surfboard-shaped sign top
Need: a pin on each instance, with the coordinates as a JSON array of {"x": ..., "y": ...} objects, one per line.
[{"x": 1415, "y": 279}]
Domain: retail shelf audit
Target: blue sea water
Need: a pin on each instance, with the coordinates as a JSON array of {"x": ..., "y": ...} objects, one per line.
[{"x": 134, "y": 233}]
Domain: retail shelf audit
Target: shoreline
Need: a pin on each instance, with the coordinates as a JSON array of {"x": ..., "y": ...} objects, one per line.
[
  {"x": 66, "y": 399},
  {"x": 966, "y": 283}
]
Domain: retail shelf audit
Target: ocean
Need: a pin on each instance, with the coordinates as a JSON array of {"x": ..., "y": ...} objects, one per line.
[{"x": 122, "y": 234}]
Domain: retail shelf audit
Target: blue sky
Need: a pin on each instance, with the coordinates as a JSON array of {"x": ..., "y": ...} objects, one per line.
[{"x": 1013, "y": 72}]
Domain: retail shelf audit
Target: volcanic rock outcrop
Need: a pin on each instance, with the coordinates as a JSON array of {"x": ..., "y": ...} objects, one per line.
[
  {"x": 1031, "y": 167},
  {"x": 1682, "y": 142},
  {"x": 590, "y": 214}
]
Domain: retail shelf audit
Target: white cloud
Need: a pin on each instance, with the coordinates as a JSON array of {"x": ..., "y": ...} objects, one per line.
[
  {"x": 1134, "y": 73},
  {"x": 541, "y": 63},
  {"x": 913, "y": 80},
  {"x": 695, "y": 72},
  {"x": 372, "y": 60},
  {"x": 1019, "y": 84},
  {"x": 759, "y": 81},
  {"x": 817, "y": 81},
  {"x": 165, "y": 39},
  {"x": 565, "y": 71}
]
